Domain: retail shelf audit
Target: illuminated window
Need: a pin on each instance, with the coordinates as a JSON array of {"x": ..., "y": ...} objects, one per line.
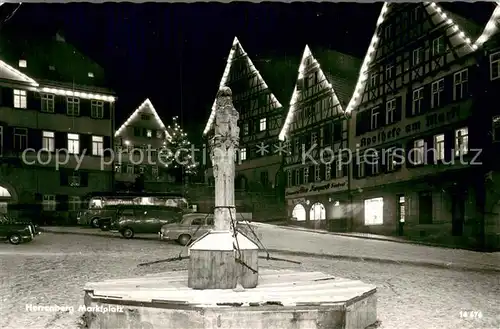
[
  {"x": 317, "y": 212},
  {"x": 49, "y": 202},
  {"x": 20, "y": 99},
  {"x": 243, "y": 154},
  {"x": 23, "y": 63},
  {"x": 328, "y": 171},
  {"x": 438, "y": 46},
  {"x": 299, "y": 213},
  {"x": 97, "y": 109},
  {"x": 439, "y": 147},
  {"x": 118, "y": 168},
  {"x": 391, "y": 161},
  {"x": 461, "y": 141},
  {"x": 390, "y": 110},
  {"x": 418, "y": 96},
  {"x": 461, "y": 84},
  {"x": 263, "y": 124},
  {"x": 149, "y": 133},
  {"x": 418, "y": 56},
  {"x": 48, "y": 141},
  {"x": 401, "y": 208},
  {"x": 418, "y": 151},
  {"x": 72, "y": 106},
  {"x": 47, "y": 103},
  {"x": 374, "y": 118},
  {"x": 374, "y": 211},
  {"x": 97, "y": 145},
  {"x": 245, "y": 128},
  {"x": 90, "y": 75},
  {"x": 306, "y": 174},
  {"x": 317, "y": 173},
  {"x": 437, "y": 88},
  {"x": 73, "y": 143},
  {"x": 159, "y": 134},
  {"x": 495, "y": 66}
]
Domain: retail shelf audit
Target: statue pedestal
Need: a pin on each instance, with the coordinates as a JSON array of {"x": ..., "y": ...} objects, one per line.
[{"x": 213, "y": 261}]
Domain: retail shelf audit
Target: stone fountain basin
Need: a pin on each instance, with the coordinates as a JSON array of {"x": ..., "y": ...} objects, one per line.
[{"x": 283, "y": 299}]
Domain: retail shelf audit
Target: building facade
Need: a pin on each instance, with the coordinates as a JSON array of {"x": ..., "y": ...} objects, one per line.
[
  {"x": 414, "y": 135},
  {"x": 489, "y": 60},
  {"x": 137, "y": 145},
  {"x": 316, "y": 133},
  {"x": 259, "y": 162},
  {"x": 56, "y": 125}
]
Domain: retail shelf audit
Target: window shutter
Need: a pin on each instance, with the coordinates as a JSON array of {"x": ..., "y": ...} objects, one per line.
[
  {"x": 448, "y": 89},
  {"x": 63, "y": 177},
  {"x": 60, "y": 105},
  {"x": 85, "y": 107},
  {"x": 106, "y": 111},
  {"x": 84, "y": 178},
  {"x": 35, "y": 139},
  {"x": 426, "y": 102},
  {"x": 62, "y": 202},
  {"x": 107, "y": 145},
  {"x": 7, "y": 97},
  {"x": 61, "y": 140},
  {"x": 382, "y": 110},
  {"x": 409, "y": 104},
  {"x": 86, "y": 144},
  {"x": 33, "y": 101},
  {"x": 399, "y": 109},
  {"x": 449, "y": 145}
]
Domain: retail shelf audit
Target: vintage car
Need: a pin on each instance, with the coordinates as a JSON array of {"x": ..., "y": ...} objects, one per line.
[
  {"x": 143, "y": 219},
  {"x": 17, "y": 231},
  {"x": 192, "y": 227}
]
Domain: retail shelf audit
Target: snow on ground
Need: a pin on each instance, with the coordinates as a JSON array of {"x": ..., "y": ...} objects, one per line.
[{"x": 53, "y": 269}]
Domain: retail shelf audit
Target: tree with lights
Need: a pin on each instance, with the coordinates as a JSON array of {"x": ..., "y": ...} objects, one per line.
[{"x": 178, "y": 153}]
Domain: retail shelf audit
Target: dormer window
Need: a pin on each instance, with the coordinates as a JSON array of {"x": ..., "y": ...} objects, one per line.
[
  {"x": 23, "y": 63},
  {"x": 144, "y": 117},
  {"x": 90, "y": 74}
]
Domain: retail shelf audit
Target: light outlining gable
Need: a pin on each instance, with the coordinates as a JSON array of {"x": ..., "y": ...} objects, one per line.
[
  {"x": 295, "y": 96},
  {"x": 491, "y": 28},
  {"x": 431, "y": 8},
  {"x": 225, "y": 76},
  {"x": 146, "y": 104},
  {"x": 17, "y": 74}
]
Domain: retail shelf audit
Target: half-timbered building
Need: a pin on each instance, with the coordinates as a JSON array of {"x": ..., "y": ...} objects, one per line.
[
  {"x": 259, "y": 160},
  {"x": 316, "y": 133},
  {"x": 489, "y": 61},
  {"x": 56, "y": 124},
  {"x": 413, "y": 133},
  {"x": 138, "y": 142}
]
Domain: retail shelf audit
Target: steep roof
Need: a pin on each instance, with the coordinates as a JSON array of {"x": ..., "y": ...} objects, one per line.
[
  {"x": 51, "y": 59},
  {"x": 273, "y": 70},
  {"x": 491, "y": 28},
  {"x": 146, "y": 105},
  {"x": 438, "y": 15},
  {"x": 339, "y": 69}
]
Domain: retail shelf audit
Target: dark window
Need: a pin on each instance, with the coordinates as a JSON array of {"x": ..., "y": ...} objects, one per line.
[{"x": 425, "y": 208}]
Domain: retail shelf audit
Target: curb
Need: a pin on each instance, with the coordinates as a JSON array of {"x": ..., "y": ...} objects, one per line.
[
  {"x": 447, "y": 266},
  {"x": 418, "y": 243},
  {"x": 97, "y": 234}
]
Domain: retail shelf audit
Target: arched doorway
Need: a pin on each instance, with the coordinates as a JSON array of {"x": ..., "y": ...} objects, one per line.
[
  {"x": 299, "y": 213},
  {"x": 317, "y": 212},
  {"x": 5, "y": 198}
]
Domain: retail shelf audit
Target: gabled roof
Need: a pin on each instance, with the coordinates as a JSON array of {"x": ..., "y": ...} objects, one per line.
[
  {"x": 235, "y": 49},
  {"x": 491, "y": 28},
  {"x": 146, "y": 104},
  {"x": 431, "y": 9},
  {"x": 339, "y": 69}
]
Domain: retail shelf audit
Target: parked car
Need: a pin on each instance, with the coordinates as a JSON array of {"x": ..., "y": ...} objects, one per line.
[
  {"x": 192, "y": 227},
  {"x": 93, "y": 216},
  {"x": 143, "y": 219},
  {"x": 17, "y": 231}
]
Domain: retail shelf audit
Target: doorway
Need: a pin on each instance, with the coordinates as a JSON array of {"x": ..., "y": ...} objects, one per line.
[{"x": 457, "y": 215}]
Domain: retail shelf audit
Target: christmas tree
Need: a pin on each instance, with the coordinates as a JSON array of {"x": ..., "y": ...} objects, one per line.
[{"x": 178, "y": 153}]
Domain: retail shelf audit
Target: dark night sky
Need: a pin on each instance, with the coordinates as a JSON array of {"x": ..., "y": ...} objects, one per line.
[{"x": 175, "y": 53}]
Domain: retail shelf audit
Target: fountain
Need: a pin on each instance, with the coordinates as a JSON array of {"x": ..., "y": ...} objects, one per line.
[{"x": 223, "y": 286}]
